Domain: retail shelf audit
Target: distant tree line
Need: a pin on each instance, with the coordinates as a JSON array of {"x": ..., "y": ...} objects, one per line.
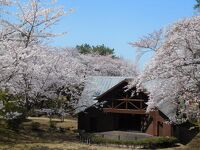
[{"x": 98, "y": 49}]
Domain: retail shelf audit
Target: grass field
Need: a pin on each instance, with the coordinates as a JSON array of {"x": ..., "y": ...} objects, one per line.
[
  {"x": 69, "y": 123},
  {"x": 58, "y": 146},
  {"x": 44, "y": 139},
  {"x": 26, "y": 139}
]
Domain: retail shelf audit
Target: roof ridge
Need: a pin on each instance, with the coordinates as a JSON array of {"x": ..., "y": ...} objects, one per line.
[{"x": 112, "y": 76}]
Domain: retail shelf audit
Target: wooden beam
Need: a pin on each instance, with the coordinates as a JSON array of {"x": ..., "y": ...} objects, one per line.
[
  {"x": 119, "y": 104},
  {"x": 112, "y": 103},
  {"x": 133, "y": 105},
  {"x": 133, "y": 100},
  {"x": 109, "y": 106},
  {"x": 124, "y": 111}
]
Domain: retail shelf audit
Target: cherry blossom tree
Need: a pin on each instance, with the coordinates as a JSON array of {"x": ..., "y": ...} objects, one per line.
[
  {"x": 149, "y": 43},
  {"x": 21, "y": 52},
  {"x": 37, "y": 74},
  {"x": 32, "y": 21},
  {"x": 41, "y": 73},
  {"x": 107, "y": 66},
  {"x": 174, "y": 71},
  {"x": 5, "y": 2}
]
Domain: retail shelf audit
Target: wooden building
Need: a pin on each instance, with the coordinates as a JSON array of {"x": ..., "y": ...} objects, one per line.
[{"x": 106, "y": 105}]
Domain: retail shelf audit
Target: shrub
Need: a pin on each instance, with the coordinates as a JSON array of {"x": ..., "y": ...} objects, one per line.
[
  {"x": 35, "y": 126},
  {"x": 14, "y": 124},
  {"x": 86, "y": 135},
  {"x": 160, "y": 142},
  {"x": 61, "y": 130},
  {"x": 52, "y": 125}
]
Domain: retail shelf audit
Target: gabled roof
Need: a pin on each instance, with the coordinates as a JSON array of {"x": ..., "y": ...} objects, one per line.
[
  {"x": 167, "y": 107},
  {"x": 96, "y": 86}
]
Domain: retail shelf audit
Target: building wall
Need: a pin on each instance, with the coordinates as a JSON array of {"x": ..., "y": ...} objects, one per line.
[
  {"x": 150, "y": 129},
  {"x": 158, "y": 126},
  {"x": 96, "y": 121}
]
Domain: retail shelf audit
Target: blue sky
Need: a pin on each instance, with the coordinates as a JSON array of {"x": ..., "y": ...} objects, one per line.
[{"x": 117, "y": 22}]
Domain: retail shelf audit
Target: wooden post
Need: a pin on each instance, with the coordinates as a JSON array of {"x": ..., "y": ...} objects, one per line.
[{"x": 112, "y": 104}]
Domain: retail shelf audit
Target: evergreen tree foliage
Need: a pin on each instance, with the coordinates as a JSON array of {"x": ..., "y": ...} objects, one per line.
[{"x": 99, "y": 49}]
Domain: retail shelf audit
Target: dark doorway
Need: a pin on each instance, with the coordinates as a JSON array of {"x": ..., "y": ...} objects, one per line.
[
  {"x": 93, "y": 124},
  {"x": 160, "y": 129},
  {"x": 129, "y": 122}
]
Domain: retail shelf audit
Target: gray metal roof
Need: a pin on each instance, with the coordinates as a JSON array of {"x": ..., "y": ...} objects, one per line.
[
  {"x": 167, "y": 107},
  {"x": 94, "y": 87},
  {"x": 97, "y": 85}
]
